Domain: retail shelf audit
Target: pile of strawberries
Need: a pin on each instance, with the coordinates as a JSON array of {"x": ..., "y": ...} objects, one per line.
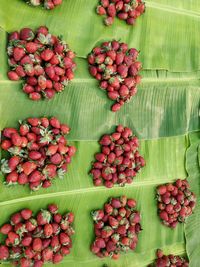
[
  {"x": 116, "y": 227},
  {"x": 169, "y": 260},
  {"x": 128, "y": 10},
  {"x": 34, "y": 240},
  {"x": 38, "y": 152},
  {"x": 116, "y": 67},
  {"x": 119, "y": 160},
  {"x": 43, "y": 60},
  {"x": 175, "y": 202},
  {"x": 48, "y": 4}
]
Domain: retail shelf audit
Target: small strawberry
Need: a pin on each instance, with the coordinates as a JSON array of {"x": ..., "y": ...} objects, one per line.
[
  {"x": 26, "y": 214},
  {"x": 4, "y": 252},
  {"x": 48, "y": 230},
  {"x": 53, "y": 208},
  {"x": 18, "y": 53},
  {"x": 43, "y": 217},
  {"x": 13, "y": 76},
  {"x": 47, "y": 254},
  {"x": 26, "y": 34},
  {"x": 47, "y": 54},
  {"x": 6, "y": 228},
  {"x": 64, "y": 239}
]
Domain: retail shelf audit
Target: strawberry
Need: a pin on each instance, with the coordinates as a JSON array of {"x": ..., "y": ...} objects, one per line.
[
  {"x": 47, "y": 54},
  {"x": 20, "y": 71},
  {"x": 6, "y": 228},
  {"x": 12, "y": 177},
  {"x": 43, "y": 217},
  {"x": 37, "y": 244},
  {"x": 6, "y": 144},
  {"x": 31, "y": 47},
  {"x": 13, "y": 238},
  {"x": 4, "y": 252},
  {"x": 35, "y": 176},
  {"x": 29, "y": 70},
  {"x": 48, "y": 230},
  {"x": 57, "y": 257},
  {"x": 18, "y": 53},
  {"x": 50, "y": 170},
  {"x": 31, "y": 224},
  {"x": 53, "y": 208},
  {"x": 26, "y": 34},
  {"x": 42, "y": 82},
  {"x": 56, "y": 159},
  {"x": 64, "y": 239},
  {"x": 34, "y": 155},
  {"x": 26, "y": 241},
  {"x": 28, "y": 167},
  {"x": 47, "y": 254},
  {"x": 38, "y": 263},
  {"x": 108, "y": 21},
  {"x": 111, "y": 10},
  {"x": 38, "y": 70},
  {"x": 26, "y": 214},
  {"x": 49, "y": 93},
  {"x": 48, "y": 4},
  {"x": 13, "y": 76}
]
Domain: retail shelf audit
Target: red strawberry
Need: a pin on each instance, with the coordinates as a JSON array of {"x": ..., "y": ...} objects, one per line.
[
  {"x": 6, "y": 228},
  {"x": 47, "y": 254},
  {"x": 12, "y": 177},
  {"x": 48, "y": 4},
  {"x": 108, "y": 21},
  {"x": 6, "y": 144},
  {"x": 13, "y": 238},
  {"x": 4, "y": 252},
  {"x": 50, "y": 170},
  {"x": 57, "y": 257},
  {"x": 26, "y": 34},
  {"x": 7, "y": 132},
  {"x": 26, "y": 241},
  {"x": 42, "y": 82},
  {"x": 26, "y": 214},
  {"x": 35, "y": 96},
  {"x": 64, "y": 239},
  {"x": 24, "y": 262},
  {"x": 56, "y": 159},
  {"x": 47, "y": 54},
  {"x": 38, "y": 263},
  {"x": 43, "y": 217},
  {"x": 37, "y": 244},
  {"x": 111, "y": 10},
  {"x": 28, "y": 167},
  {"x": 38, "y": 70},
  {"x": 164, "y": 215},
  {"x": 49, "y": 93},
  {"x": 20, "y": 71},
  {"x": 18, "y": 53},
  {"x": 35, "y": 176},
  {"x": 13, "y": 162},
  {"x": 29, "y": 69},
  {"x": 48, "y": 230},
  {"x": 104, "y": 3},
  {"x": 31, "y": 47},
  {"x": 31, "y": 224},
  {"x": 13, "y": 36},
  {"x": 53, "y": 208},
  {"x": 13, "y": 76}
]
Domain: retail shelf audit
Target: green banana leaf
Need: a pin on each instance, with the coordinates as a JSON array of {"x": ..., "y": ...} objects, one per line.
[
  {"x": 163, "y": 114},
  {"x": 192, "y": 226}
]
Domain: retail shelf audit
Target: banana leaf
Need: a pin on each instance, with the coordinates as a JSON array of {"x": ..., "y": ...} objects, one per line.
[
  {"x": 163, "y": 114},
  {"x": 192, "y": 226},
  {"x": 165, "y": 34}
]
